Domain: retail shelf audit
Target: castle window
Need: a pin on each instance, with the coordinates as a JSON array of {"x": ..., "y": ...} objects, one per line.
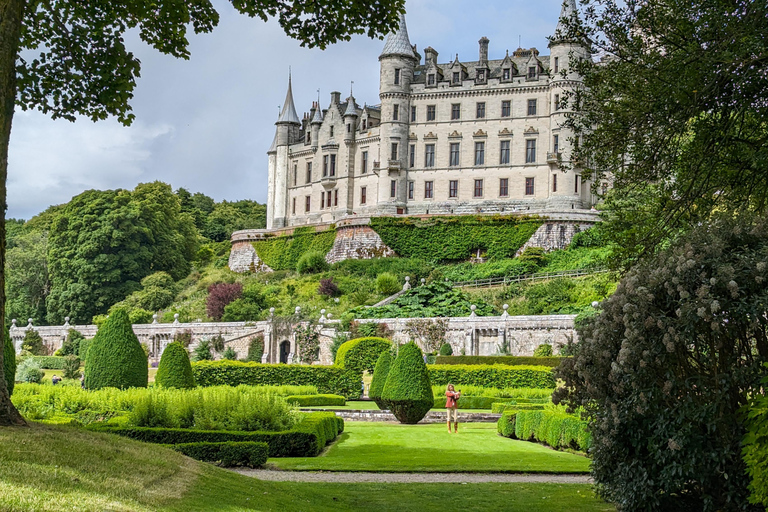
[
  {"x": 309, "y": 172},
  {"x": 428, "y": 189},
  {"x": 431, "y": 112},
  {"x": 529, "y": 186},
  {"x": 557, "y": 64},
  {"x": 576, "y": 184},
  {"x": 504, "y": 187},
  {"x": 393, "y": 151},
  {"x": 478, "y": 188},
  {"x": 410, "y": 190},
  {"x": 456, "y": 77},
  {"x": 532, "y": 72},
  {"x": 397, "y": 76},
  {"x": 530, "y": 151},
  {"x": 455, "y": 111},
  {"x": 556, "y": 144},
  {"x": 363, "y": 195},
  {"x": 554, "y": 183},
  {"x": 412, "y": 156},
  {"x": 505, "y": 74},
  {"x": 481, "y": 110},
  {"x": 364, "y": 166},
  {"x": 293, "y": 207},
  {"x": 413, "y": 114},
  {"x": 309, "y": 137},
  {"x": 395, "y": 112},
  {"x": 479, "y": 153},
  {"x": 333, "y": 165},
  {"x": 429, "y": 155},
  {"x": 506, "y": 108},
  {"x": 454, "y": 161},
  {"x": 322, "y": 200},
  {"x": 307, "y": 202},
  {"x": 331, "y": 131},
  {"x": 336, "y": 197},
  {"x": 392, "y": 188},
  {"x": 364, "y": 122},
  {"x": 349, "y": 128},
  {"x": 557, "y": 102},
  {"x": 504, "y": 157},
  {"x": 295, "y": 173},
  {"x": 431, "y": 79},
  {"x": 325, "y": 166},
  {"x": 532, "y": 107},
  {"x": 453, "y": 188}
]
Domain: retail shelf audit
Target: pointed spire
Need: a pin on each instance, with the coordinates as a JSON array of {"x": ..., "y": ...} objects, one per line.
[
  {"x": 273, "y": 147},
  {"x": 318, "y": 117},
  {"x": 288, "y": 114},
  {"x": 398, "y": 42},
  {"x": 568, "y": 13},
  {"x": 351, "y": 107}
]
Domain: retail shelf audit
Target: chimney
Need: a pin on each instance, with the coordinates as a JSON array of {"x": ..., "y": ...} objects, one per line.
[
  {"x": 484, "y": 50},
  {"x": 335, "y": 98},
  {"x": 430, "y": 55}
]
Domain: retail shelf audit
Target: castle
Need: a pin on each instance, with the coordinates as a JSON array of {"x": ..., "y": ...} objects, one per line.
[{"x": 452, "y": 138}]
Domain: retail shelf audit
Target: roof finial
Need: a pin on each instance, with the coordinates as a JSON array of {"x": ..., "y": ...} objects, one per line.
[{"x": 351, "y": 83}]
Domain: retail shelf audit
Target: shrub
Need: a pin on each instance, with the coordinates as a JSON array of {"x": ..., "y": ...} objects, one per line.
[
  {"x": 140, "y": 316},
  {"x": 312, "y": 262},
  {"x": 256, "y": 348},
  {"x": 115, "y": 358},
  {"x": 338, "y": 340},
  {"x": 496, "y": 376},
  {"x": 327, "y": 379},
  {"x": 248, "y": 307},
  {"x": 85, "y": 346},
  {"x": 33, "y": 343},
  {"x": 519, "y": 395},
  {"x": 380, "y": 373},
  {"x": 312, "y": 400},
  {"x": 219, "y": 295},
  {"x": 52, "y": 362},
  {"x": 534, "y": 255},
  {"x": 9, "y": 363},
  {"x": 229, "y": 354},
  {"x": 755, "y": 447},
  {"x": 175, "y": 370},
  {"x": 328, "y": 288},
  {"x": 387, "y": 284},
  {"x": 543, "y": 350},
  {"x": 507, "y": 360},
  {"x": 513, "y": 406},
  {"x": 506, "y": 425},
  {"x": 71, "y": 345},
  {"x": 446, "y": 350},
  {"x": 202, "y": 352},
  {"x": 361, "y": 354},
  {"x": 29, "y": 371},
  {"x": 554, "y": 428},
  {"x": 408, "y": 392},
  {"x": 71, "y": 367},
  {"x": 228, "y": 454}
]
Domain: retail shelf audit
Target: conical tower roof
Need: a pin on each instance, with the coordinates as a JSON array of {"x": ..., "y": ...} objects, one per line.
[
  {"x": 567, "y": 12},
  {"x": 351, "y": 107},
  {"x": 398, "y": 42},
  {"x": 318, "y": 117},
  {"x": 288, "y": 114}
]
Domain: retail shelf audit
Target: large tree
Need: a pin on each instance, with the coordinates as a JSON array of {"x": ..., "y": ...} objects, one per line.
[{"x": 84, "y": 68}]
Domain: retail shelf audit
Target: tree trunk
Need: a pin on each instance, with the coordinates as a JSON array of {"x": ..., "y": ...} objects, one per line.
[{"x": 11, "y": 13}]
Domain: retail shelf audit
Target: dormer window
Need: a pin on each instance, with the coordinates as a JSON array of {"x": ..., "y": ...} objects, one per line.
[
  {"x": 505, "y": 74},
  {"x": 456, "y": 77},
  {"x": 532, "y": 72},
  {"x": 431, "y": 79},
  {"x": 397, "y": 76},
  {"x": 364, "y": 122},
  {"x": 481, "y": 75}
]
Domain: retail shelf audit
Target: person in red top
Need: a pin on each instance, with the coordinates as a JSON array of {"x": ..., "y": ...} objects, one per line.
[{"x": 451, "y": 407}]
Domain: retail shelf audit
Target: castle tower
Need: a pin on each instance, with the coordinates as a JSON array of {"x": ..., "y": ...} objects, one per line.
[
  {"x": 286, "y": 133},
  {"x": 565, "y": 188},
  {"x": 397, "y": 62},
  {"x": 350, "y": 116}
]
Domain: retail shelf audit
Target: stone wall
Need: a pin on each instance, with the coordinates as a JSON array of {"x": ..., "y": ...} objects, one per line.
[
  {"x": 355, "y": 240},
  {"x": 243, "y": 258},
  {"x": 554, "y": 235}
]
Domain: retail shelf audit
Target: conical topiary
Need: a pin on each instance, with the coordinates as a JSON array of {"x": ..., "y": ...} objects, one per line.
[
  {"x": 175, "y": 370},
  {"x": 115, "y": 357},
  {"x": 380, "y": 373},
  {"x": 408, "y": 391},
  {"x": 9, "y": 363}
]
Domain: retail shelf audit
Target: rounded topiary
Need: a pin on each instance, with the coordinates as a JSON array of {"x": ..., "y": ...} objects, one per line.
[
  {"x": 543, "y": 350},
  {"x": 387, "y": 284},
  {"x": 446, "y": 350},
  {"x": 311, "y": 262},
  {"x": 175, "y": 370},
  {"x": 361, "y": 354},
  {"x": 380, "y": 373},
  {"x": 408, "y": 391},
  {"x": 9, "y": 364},
  {"x": 115, "y": 357}
]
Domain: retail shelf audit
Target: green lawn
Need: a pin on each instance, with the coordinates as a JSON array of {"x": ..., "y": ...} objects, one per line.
[
  {"x": 59, "y": 469},
  {"x": 389, "y": 447}
]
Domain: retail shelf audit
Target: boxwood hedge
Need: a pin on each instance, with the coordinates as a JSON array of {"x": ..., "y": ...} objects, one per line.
[
  {"x": 408, "y": 391},
  {"x": 467, "y": 402},
  {"x": 244, "y": 453},
  {"x": 506, "y": 424},
  {"x": 492, "y": 376},
  {"x": 554, "y": 428},
  {"x": 328, "y": 379},
  {"x": 361, "y": 353},
  {"x": 175, "y": 370},
  {"x": 380, "y": 373},
  {"x": 51, "y": 362},
  {"x": 508, "y": 360},
  {"x": 310, "y": 400}
]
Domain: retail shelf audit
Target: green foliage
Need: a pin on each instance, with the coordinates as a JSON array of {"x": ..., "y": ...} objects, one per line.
[
  {"x": 115, "y": 357},
  {"x": 361, "y": 354},
  {"x": 414, "y": 267},
  {"x": 436, "y": 299},
  {"x": 26, "y": 274},
  {"x": 103, "y": 243},
  {"x": 380, "y": 373},
  {"x": 312, "y": 400},
  {"x": 553, "y": 427},
  {"x": 543, "y": 350},
  {"x": 175, "y": 370},
  {"x": 534, "y": 255},
  {"x": 327, "y": 379},
  {"x": 506, "y": 424},
  {"x": 513, "y": 406},
  {"x": 408, "y": 391},
  {"x": 157, "y": 292},
  {"x": 256, "y": 349},
  {"x": 496, "y": 376},
  {"x": 324, "y": 426},
  {"x": 71, "y": 345},
  {"x": 229, "y": 354},
  {"x": 28, "y": 370},
  {"x": 516, "y": 395},
  {"x": 387, "y": 284},
  {"x": 446, "y": 349},
  {"x": 508, "y": 360},
  {"x": 202, "y": 352},
  {"x": 755, "y": 447},
  {"x": 493, "y": 268},
  {"x": 228, "y": 454},
  {"x": 71, "y": 367},
  {"x": 9, "y": 363},
  {"x": 466, "y": 402},
  {"x": 33, "y": 343},
  {"x": 248, "y": 308},
  {"x": 338, "y": 340},
  {"x": 85, "y": 345},
  {"x": 140, "y": 316},
  {"x": 54, "y": 362},
  {"x": 284, "y": 252},
  {"x": 311, "y": 262},
  {"x": 455, "y": 238},
  {"x": 558, "y": 296},
  {"x": 223, "y": 218}
]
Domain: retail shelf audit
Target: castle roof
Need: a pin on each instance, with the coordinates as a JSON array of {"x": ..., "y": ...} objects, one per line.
[
  {"x": 519, "y": 58},
  {"x": 288, "y": 114},
  {"x": 568, "y": 14},
  {"x": 351, "y": 109},
  {"x": 318, "y": 117},
  {"x": 398, "y": 42}
]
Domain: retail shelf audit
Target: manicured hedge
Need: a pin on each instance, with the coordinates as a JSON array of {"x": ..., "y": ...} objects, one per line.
[
  {"x": 507, "y": 360},
  {"x": 408, "y": 391},
  {"x": 361, "y": 353},
  {"x": 380, "y": 373},
  {"x": 456, "y": 237},
  {"x": 308, "y": 400},
  {"x": 246, "y": 453},
  {"x": 115, "y": 357},
  {"x": 468, "y": 402},
  {"x": 552, "y": 427},
  {"x": 506, "y": 424},
  {"x": 328, "y": 379},
  {"x": 283, "y": 252},
  {"x": 323, "y": 426},
  {"x": 502, "y": 407},
  {"x": 492, "y": 376},
  {"x": 51, "y": 362}
]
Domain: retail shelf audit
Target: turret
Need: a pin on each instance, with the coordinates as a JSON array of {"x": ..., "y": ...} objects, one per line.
[
  {"x": 317, "y": 121},
  {"x": 562, "y": 47},
  {"x": 287, "y": 132},
  {"x": 350, "y": 119}
]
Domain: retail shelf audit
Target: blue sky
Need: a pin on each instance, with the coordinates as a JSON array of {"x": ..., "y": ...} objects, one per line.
[{"x": 205, "y": 124}]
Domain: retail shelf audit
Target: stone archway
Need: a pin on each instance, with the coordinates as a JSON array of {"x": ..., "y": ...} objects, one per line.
[{"x": 285, "y": 350}]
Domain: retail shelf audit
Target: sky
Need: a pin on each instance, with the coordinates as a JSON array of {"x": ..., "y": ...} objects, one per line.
[{"x": 205, "y": 124}]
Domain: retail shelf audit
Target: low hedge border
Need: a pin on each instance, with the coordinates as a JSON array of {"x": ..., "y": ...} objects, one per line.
[
  {"x": 468, "y": 402},
  {"x": 328, "y": 379},
  {"x": 551, "y": 427},
  {"x": 247, "y": 453},
  {"x": 310, "y": 400},
  {"x": 51, "y": 362},
  {"x": 501, "y": 407},
  {"x": 492, "y": 376},
  {"x": 324, "y": 426},
  {"x": 507, "y": 360},
  {"x": 506, "y": 424}
]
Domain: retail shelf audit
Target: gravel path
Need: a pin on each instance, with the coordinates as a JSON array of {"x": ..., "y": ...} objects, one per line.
[{"x": 470, "y": 478}]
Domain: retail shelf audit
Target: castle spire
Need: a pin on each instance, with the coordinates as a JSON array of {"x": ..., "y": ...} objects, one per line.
[
  {"x": 288, "y": 114},
  {"x": 398, "y": 42},
  {"x": 568, "y": 15}
]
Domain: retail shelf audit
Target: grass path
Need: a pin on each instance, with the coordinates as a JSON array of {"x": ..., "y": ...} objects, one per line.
[
  {"x": 409, "y": 478},
  {"x": 395, "y": 448}
]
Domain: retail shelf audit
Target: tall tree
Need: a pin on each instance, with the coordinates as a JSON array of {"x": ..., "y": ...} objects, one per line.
[{"x": 84, "y": 67}]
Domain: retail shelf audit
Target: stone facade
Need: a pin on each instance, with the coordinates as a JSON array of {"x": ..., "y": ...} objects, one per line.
[{"x": 355, "y": 240}]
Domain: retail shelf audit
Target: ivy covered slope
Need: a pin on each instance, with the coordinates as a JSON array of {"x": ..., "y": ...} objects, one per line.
[{"x": 284, "y": 252}]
